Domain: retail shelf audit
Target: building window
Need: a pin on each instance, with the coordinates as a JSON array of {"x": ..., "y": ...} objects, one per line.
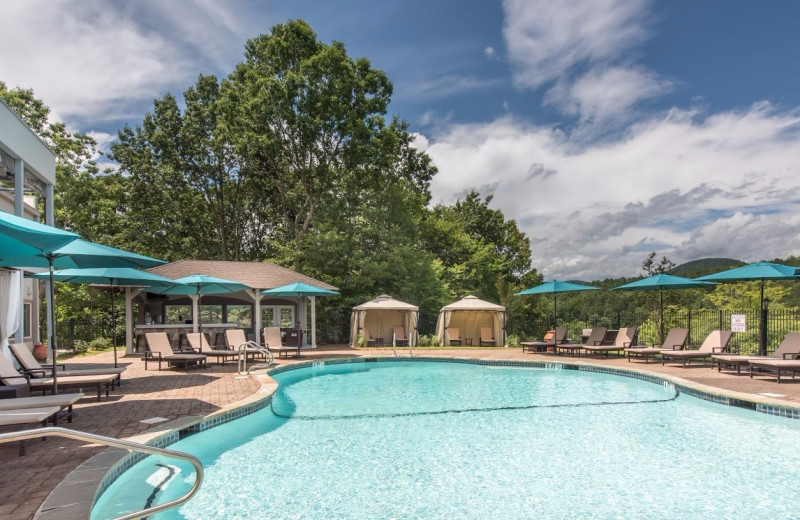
[{"x": 27, "y": 320}]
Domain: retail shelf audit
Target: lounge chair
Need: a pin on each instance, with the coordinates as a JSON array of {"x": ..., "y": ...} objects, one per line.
[
  {"x": 400, "y": 338},
  {"x": 26, "y": 416},
  {"x": 487, "y": 338},
  {"x": 626, "y": 337},
  {"x": 556, "y": 337},
  {"x": 596, "y": 337},
  {"x": 10, "y": 376},
  {"x": 199, "y": 344},
  {"x": 454, "y": 336},
  {"x": 159, "y": 349},
  {"x": 789, "y": 362},
  {"x": 715, "y": 343},
  {"x": 274, "y": 343},
  {"x": 63, "y": 401},
  {"x": 790, "y": 345},
  {"x": 235, "y": 338},
  {"x": 675, "y": 340},
  {"x": 32, "y": 367}
]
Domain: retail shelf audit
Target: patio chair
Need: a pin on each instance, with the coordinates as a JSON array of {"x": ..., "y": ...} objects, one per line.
[
  {"x": 274, "y": 343},
  {"x": 10, "y": 376},
  {"x": 487, "y": 337},
  {"x": 159, "y": 349},
  {"x": 63, "y": 401},
  {"x": 27, "y": 416},
  {"x": 235, "y": 338},
  {"x": 400, "y": 338},
  {"x": 556, "y": 337},
  {"x": 31, "y": 366},
  {"x": 715, "y": 343},
  {"x": 454, "y": 336},
  {"x": 626, "y": 337},
  {"x": 789, "y": 361},
  {"x": 596, "y": 337},
  {"x": 790, "y": 345},
  {"x": 675, "y": 340},
  {"x": 199, "y": 343}
]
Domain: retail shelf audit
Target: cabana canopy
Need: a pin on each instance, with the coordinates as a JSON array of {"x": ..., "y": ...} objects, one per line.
[
  {"x": 469, "y": 315},
  {"x": 380, "y": 316}
]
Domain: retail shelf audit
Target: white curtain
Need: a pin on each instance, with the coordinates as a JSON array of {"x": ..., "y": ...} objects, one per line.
[{"x": 10, "y": 282}]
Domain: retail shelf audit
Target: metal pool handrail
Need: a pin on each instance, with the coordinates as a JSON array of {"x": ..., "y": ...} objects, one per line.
[{"x": 57, "y": 431}]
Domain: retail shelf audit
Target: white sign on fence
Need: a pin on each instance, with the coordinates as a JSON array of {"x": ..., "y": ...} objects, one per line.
[{"x": 738, "y": 323}]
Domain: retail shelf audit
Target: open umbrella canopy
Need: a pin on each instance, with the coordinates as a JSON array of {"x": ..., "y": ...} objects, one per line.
[
  {"x": 20, "y": 237},
  {"x": 115, "y": 276},
  {"x": 556, "y": 286},
  {"x": 82, "y": 254},
  {"x": 201, "y": 284},
  {"x": 757, "y": 271},
  {"x": 663, "y": 282},
  {"x": 298, "y": 289}
]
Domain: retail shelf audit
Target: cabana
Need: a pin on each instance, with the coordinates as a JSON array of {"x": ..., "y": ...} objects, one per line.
[
  {"x": 380, "y": 316},
  {"x": 469, "y": 316}
]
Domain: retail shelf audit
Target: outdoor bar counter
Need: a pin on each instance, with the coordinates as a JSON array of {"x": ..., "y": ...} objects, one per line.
[{"x": 177, "y": 331}]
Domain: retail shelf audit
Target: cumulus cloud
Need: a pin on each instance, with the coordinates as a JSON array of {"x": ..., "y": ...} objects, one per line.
[
  {"x": 94, "y": 60},
  {"x": 692, "y": 184}
]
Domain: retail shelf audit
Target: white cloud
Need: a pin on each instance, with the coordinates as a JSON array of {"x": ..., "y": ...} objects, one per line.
[
  {"x": 547, "y": 39},
  {"x": 685, "y": 183},
  {"x": 489, "y": 52},
  {"x": 608, "y": 93},
  {"x": 94, "y": 60}
]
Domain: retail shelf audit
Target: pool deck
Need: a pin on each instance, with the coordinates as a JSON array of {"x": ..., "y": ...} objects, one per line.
[{"x": 172, "y": 394}]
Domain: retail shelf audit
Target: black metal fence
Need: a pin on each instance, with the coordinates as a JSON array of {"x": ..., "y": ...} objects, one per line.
[
  {"x": 699, "y": 322},
  {"x": 73, "y": 330}
]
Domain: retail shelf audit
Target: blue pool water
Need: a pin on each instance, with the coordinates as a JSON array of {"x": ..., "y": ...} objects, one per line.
[{"x": 444, "y": 440}]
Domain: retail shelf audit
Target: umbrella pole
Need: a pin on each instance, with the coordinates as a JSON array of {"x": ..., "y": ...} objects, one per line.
[
  {"x": 762, "y": 325},
  {"x": 52, "y": 311},
  {"x": 661, "y": 320},
  {"x": 113, "y": 323}
]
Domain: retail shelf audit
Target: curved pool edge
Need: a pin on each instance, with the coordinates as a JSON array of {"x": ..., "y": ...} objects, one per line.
[{"x": 75, "y": 496}]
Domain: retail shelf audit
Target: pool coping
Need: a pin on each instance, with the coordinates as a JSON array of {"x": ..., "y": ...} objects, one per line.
[{"x": 75, "y": 496}]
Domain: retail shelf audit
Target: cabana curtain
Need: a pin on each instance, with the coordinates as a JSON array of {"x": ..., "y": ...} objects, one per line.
[{"x": 9, "y": 308}]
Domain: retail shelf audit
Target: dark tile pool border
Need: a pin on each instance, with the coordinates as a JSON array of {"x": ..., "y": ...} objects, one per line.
[{"x": 118, "y": 461}]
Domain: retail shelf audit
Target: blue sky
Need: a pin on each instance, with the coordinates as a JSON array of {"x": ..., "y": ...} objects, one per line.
[{"x": 606, "y": 128}]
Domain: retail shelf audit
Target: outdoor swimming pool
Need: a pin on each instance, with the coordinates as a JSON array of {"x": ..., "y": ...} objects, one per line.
[{"x": 448, "y": 440}]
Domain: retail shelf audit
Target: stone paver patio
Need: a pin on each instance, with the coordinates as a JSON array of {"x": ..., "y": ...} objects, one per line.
[{"x": 26, "y": 481}]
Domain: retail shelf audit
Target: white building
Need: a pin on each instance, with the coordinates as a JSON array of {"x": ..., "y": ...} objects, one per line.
[{"x": 27, "y": 172}]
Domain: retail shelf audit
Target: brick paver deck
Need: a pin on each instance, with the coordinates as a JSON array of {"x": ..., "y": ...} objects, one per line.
[{"x": 26, "y": 481}]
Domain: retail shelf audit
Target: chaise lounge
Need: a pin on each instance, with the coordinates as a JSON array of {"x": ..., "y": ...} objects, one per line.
[
  {"x": 32, "y": 366},
  {"x": 274, "y": 343},
  {"x": 715, "y": 343},
  {"x": 25, "y": 416},
  {"x": 454, "y": 336},
  {"x": 626, "y": 337},
  {"x": 10, "y": 376},
  {"x": 235, "y": 338},
  {"x": 675, "y": 340},
  {"x": 159, "y": 349},
  {"x": 557, "y": 337},
  {"x": 199, "y": 344},
  {"x": 788, "y": 349}
]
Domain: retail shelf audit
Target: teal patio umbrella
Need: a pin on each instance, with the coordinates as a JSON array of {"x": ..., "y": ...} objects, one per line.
[
  {"x": 298, "y": 289},
  {"x": 200, "y": 284},
  {"x": 662, "y": 282},
  {"x": 76, "y": 254},
  {"x": 759, "y": 271},
  {"x": 554, "y": 287},
  {"x": 20, "y": 237},
  {"x": 111, "y": 276}
]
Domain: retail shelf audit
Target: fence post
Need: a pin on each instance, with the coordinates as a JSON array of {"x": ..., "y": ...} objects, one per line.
[
  {"x": 689, "y": 324},
  {"x": 720, "y": 320}
]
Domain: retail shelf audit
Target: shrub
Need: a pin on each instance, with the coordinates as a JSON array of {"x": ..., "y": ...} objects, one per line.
[
  {"x": 100, "y": 344},
  {"x": 424, "y": 341},
  {"x": 361, "y": 342},
  {"x": 513, "y": 341},
  {"x": 79, "y": 346}
]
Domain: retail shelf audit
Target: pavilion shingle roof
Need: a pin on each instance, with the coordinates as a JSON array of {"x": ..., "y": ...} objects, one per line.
[{"x": 258, "y": 275}]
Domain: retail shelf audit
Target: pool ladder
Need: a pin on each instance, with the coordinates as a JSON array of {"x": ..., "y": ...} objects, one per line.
[
  {"x": 57, "y": 431},
  {"x": 252, "y": 345},
  {"x": 394, "y": 346}
]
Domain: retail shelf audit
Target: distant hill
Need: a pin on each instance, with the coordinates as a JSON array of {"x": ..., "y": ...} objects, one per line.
[{"x": 705, "y": 266}]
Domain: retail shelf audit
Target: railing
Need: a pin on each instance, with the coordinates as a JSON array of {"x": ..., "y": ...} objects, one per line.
[
  {"x": 699, "y": 322},
  {"x": 57, "y": 431}
]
